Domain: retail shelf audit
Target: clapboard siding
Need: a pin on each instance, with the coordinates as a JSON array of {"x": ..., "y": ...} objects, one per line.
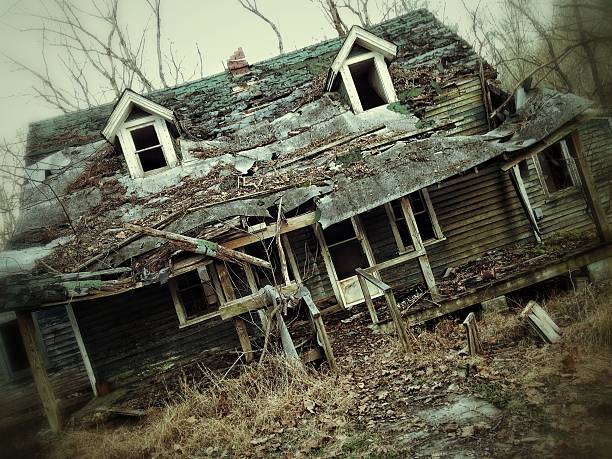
[
  {"x": 128, "y": 335},
  {"x": 567, "y": 210}
]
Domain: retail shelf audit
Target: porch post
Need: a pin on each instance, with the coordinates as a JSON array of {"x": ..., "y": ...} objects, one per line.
[{"x": 41, "y": 378}]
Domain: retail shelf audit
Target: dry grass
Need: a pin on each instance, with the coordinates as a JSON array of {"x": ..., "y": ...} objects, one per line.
[
  {"x": 588, "y": 313},
  {"x": 267, "y": 409}
]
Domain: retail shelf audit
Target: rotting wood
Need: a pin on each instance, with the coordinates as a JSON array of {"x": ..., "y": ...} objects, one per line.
[
  {"x": 82, "y": 349},
  {"x": 321, "y": 331},
  {"x": 519, "y": 187},
  {"x": 239, "y": 324},
  {"x": 541, "y": 322},
  {"x": 201, "y": 246},
  {"x": 279, "y": 245},
  {"x": 400, "y": 325},
  {"x": 512, "y": 283},
  {"x": 590, "y": 190},
  {"x": 368, "y": 299},
  {"x": 473, "y": 335},
  {"x": 41, "y": 378},
  {"x": 252, "y": 302}
]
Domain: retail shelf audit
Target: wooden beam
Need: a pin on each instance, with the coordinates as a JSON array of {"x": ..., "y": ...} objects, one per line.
[
  {"x": 252, "y": 302},
  {"x": 590, "y": 191},
  {"x": 201, "y": 246},
  {"x": 82, "y": 349},
  {"x": 243, "y": 337},
  {"x": 521, "y": 192},
  {"x": 368, "y": 298},
  {"x": 515, "y": 282},
  {"x": 322, "y": 335},
  {"x": 41, "y": 378}
]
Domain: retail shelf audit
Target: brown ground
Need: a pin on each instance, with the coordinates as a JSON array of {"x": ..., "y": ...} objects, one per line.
[{"x": 522, "y": 398}]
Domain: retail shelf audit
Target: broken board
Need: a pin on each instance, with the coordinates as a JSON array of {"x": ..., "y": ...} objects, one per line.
[
  {"x": 539, "y": 319},
  {"x": 473, "y": 335}
]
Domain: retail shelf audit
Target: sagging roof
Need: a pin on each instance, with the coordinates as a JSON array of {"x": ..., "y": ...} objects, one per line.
[{"x": 222, "y": 104}]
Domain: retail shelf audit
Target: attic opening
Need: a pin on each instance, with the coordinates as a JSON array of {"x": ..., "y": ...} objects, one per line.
[
  {"x": 149, "y": 150},
  {"x": 368, "y": 84}
]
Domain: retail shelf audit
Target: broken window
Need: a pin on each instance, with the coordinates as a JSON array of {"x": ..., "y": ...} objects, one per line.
[
  {"x": 557, "y": 168},
  {"x": 424, "y": 217},
  {"x": 345, "y": 249},
  {"x": 148, "y": 148},
  {"x": 195, "y": 295},
  {"x": 368, "y": 84}
]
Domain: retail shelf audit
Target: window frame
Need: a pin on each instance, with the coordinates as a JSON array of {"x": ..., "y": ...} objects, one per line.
[
  {"x": 181, "y": 313},
  {"x": 129, "y": 148},
  {"x": 408, "y": 213},
  {"x": 383, "y": 74},
  {"x": 572, "y": 169}
]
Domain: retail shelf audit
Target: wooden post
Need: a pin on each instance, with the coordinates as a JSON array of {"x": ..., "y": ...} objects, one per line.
[
  {"x": 322, "y": 335},
  {"x": 519, "y": 187},
  {"x": 82, "y": 349},
  {"x": 473, "y": 336},
  {"x": 590, "y": 191},
  {"x": 368, "y": 298},
  {"x": 400, "y": 326},
  {"x": 41, "y": 378},
  {"x": 239, "y": 324}
]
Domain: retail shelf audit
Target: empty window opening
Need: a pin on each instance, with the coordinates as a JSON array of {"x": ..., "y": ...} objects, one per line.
[
  {"x": 400, "y": 222},
  {"x": 368, "y": 84},
  {"x": 421, "y": 215},
  {"x": 196, "y": 293},
  {"x": 345, "y": 249},
  {"x": 268, "y": 251},
  {"x": 17, "y": 358},
  {"x": 148, "y": 148},
  {"x": 556, "y": 168}
]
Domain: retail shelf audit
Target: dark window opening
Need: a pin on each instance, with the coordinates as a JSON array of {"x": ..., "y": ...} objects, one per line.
[
  {"x": 368, "y": 84},
  {"x": 421, "y": 215},
  {"x": 196, "y": 293},
  {"x": 400, "y": 223},
  {"x": 148, "y": 148},
  {"x": 13, "y": 344},
  {"x": 524, "y": 169},
  {"x": 266, "y": 250},
  {"x": 345, "y": 250},
  {"x": 555, "y": 168}
]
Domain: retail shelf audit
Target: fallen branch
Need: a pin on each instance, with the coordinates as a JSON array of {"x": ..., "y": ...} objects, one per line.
[{"x": 201, "y": 246}]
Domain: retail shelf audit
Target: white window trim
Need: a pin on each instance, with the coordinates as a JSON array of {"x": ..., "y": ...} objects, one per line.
[
  {"x": 129, "y": 149},
  {"x": 409, "y": 216},
  {"x": 180, "y": 308},
  {"x": 573, "y": 171},
  {"x": 383, "y": 73}
]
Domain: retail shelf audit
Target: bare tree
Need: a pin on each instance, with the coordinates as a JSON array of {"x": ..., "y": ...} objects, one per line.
[
  {"x": 251, "y": 5},
  {"x": 94, "y": 44}
]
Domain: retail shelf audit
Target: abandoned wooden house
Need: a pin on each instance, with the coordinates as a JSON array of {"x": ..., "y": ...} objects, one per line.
[{"x": 154, "y": 231}]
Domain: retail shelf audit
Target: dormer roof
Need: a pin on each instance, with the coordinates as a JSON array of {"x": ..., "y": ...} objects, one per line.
[
  {"x": 364, "y": 39},
  {"x": 124, "y": 106}
]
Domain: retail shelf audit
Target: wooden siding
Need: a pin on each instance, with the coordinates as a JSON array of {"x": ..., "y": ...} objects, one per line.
[
  {"x": 137, "y": 333},
  {"x": 566, "y": 210},
  {"x": 19, "y": 401}
]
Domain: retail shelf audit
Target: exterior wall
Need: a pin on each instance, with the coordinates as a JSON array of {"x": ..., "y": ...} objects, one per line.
[
  {"x": 567, "y": 210},
  {"x": 132, "y": 335},
  {"x": 19, "y": 401}
]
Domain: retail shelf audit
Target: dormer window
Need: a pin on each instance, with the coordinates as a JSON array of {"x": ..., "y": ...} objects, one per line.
[
  {"x": 360, "y": 70},
  {"x": 142, "y": 129}
]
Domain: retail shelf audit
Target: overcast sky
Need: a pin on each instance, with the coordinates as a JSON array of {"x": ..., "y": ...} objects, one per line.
[{"x": 219, "y": 26}]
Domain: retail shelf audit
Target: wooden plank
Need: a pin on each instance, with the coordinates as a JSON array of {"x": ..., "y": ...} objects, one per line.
[
  {"x": 201, "y": 246},
  {"x": 82, "y": 349},
  {"x": 322, "y": 335},
  {"x": 373, "y": 280},
  {"x": 243, "y": 336},
  {"x": 590, "y": 191},
  {"x": 519, "y": 187},
  {"x": 252, "y": 302},
  {"x": 543, "y": 315},
  {"x": 291, "y": 257},
  {"x": 541, "y": 322},
  {"x": 473, "y": 335},
  {"x": 368, "y": 298},
  {"x": 329, "y": 265},
  {"x": 515, "y": 282},
  {"x": 50, "y": 403},
  {"x": 400, "y": 325}
]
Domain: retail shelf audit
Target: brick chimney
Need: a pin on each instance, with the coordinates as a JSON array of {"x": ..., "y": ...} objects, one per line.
[{"x": 237, "y": 63}]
